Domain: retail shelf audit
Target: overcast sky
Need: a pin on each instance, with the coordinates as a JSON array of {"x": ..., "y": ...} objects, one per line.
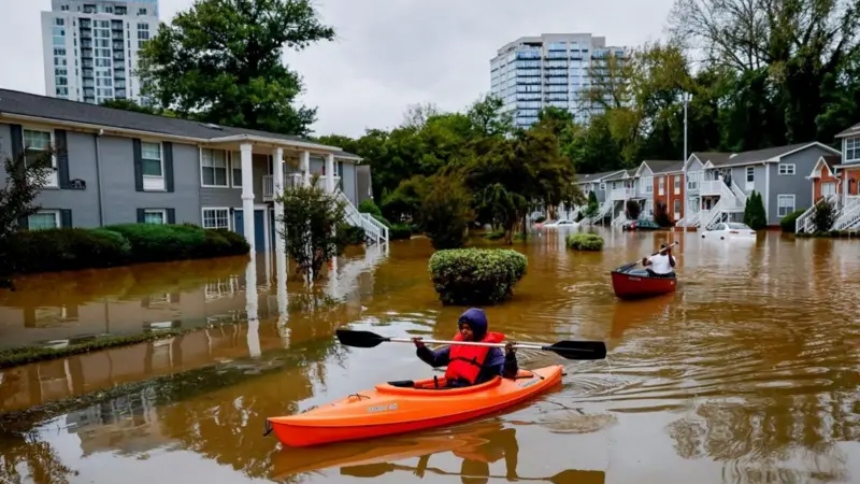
[{"x": 388, "y": 53}]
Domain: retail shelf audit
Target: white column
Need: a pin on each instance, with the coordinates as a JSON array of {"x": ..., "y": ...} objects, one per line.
[
  {"x": 280, "y": 247},
  {"x": 305, "y": 167},
  {"x": 251, "y": 308},
  {"x": 329, "y": 173},
  {"x": 248, "y": 193}
]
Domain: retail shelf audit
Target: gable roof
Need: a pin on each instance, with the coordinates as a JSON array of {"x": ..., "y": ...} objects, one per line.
[
  {"x": 594, "y": 177},
  {"x": 830, "y": 162},
  {"x": 766, "y": 155},
  {"x": 63, "y": 110},
  {"x": 852, "y": 131},
  {"x": 621, "y": 175},
  {"x": 661, "y": 166}
]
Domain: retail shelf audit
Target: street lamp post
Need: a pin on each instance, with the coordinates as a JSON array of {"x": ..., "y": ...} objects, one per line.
[{"x": 687, "y": 97}]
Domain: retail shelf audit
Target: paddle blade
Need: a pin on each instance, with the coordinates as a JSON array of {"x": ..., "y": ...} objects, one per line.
[
  {"x": 579, "y": 477},
  {"x": 360, "y": 339},
  {"x": 579, "y": 350}
]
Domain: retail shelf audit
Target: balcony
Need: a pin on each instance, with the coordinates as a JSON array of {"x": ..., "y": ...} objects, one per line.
[
  {"x": 711, "y": 188},
  {"x": 620, "y": 194},
  {"x": 291, "y": 180}
]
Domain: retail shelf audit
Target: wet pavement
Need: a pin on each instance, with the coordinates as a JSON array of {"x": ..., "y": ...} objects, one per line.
[{"x": 747, "y": 374}]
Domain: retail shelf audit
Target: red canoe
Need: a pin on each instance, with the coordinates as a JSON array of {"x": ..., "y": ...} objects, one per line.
[{"x": 638, "y": 284}]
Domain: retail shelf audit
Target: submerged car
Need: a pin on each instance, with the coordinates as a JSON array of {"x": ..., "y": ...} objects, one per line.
[
  {"x": 730, "y": 230},
  {"x": 643, "y": 224}
]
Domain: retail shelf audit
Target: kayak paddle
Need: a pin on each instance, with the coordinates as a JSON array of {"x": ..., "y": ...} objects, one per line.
[
  {"x": 627, "y": 267},
  {"x": 567, "y": 476},
  {"x": 572, "y": 350}
]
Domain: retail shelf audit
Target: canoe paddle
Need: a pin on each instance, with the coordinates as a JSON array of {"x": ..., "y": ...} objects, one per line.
[
  {"x": 572, "y": 350},
  {"x": 627, "y": 267}
]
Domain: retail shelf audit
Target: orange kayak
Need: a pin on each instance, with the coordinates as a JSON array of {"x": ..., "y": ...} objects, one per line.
[{"x": 398, "y": 407}]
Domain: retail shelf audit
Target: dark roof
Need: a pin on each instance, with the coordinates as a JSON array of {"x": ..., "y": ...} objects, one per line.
[
  {"x": 714, "y": 157},
  {"x": 620, "y": 175},
  {"x": 754, "y": 156},
  {"x": 593, "y": 177},
  {"x": 853, "y": 130},
  {"x": 832, "y": 160},
  {"x": 27, "y": 104},
  {"x": 664, "y": 166}
]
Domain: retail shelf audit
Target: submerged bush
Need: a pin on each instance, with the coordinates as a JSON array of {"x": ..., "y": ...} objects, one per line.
[
  {"x": 399, "y": 232},
  {"x": 66, "y": 249},
  {"x": 476, "y": 276},
  {"x": 789, "y": 222},
  {"x": 590, "y": 242}
]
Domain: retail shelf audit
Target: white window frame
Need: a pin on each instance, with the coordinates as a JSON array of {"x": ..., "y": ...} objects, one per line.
[
  {"x": 661, "y": 185},
  {"x": 750, "y": 177},
  {"x": 831, "y": 185},
  {"x": 649, "y": 184},
  {"x": 52, "y": 180},
  {"x": 226, "y": 168},
  {"x": 235, "y": 159},
  {"x": 55, "y": 213},
  {"x": 693, "y": 178},
  {"x": 787, "y": 169},
  {"x": 677, "y": 179},
  {"x": 160, "y": 211},
  {"x": 203, "y": 211},
  {"x": 851, "y": 149},
  {"x": 780, "y": 205},
  {"x": 602, "y": 186},
  {"x": 153, "y": 182},
  {"x": 676, "y": 208}
]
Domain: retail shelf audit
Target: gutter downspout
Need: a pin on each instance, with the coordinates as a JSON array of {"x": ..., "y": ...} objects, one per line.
[{"x": 99, "y": 178}]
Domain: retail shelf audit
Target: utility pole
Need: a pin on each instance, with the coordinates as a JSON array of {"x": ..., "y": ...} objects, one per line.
[{"x": 687, "y": 98}]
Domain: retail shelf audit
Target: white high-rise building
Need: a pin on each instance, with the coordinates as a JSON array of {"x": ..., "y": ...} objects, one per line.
[
  {"x": 90, "y": 48},
  {"x": 531, "y": 73}
]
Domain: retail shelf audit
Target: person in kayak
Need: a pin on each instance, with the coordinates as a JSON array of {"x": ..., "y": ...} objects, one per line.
[
  {"x": 662, "y": 264},
  {"x": 471, "y": 365}
]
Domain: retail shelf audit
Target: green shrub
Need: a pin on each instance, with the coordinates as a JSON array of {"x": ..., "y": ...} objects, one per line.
[
  {"x": 369, "y": 206},
  {"x": 540, "y": 219},
  {"x": 476, "y": 276},
  {"x": 381, "y": 219},
  {"x": 67, "y": 249},
  {"x": 824, "y": 216},
  {"x": 754, "y": 213},
  {"x": 446, "y": 212},
  {"x": 399, "y": 232},
  {"x": 495, "y": 234},
  {"x": 351, "y": 235},
  {"x": 590, "y": 242},
  {"x": 789, "y": 222}
]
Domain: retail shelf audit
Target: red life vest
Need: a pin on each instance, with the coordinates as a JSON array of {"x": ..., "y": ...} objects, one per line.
[{"x": 466, "y": 361}]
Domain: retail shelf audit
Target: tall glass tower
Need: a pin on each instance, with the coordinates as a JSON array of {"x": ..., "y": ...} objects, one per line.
[
  {"x": 90, "y": 48},
  {"x": 531, "y": 73}
]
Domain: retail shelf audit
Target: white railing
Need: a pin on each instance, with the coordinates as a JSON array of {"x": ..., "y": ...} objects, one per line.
[
  {"x": 710, "y": 216},
  {"x": 805, "y": 224},
  {"x": 619, "y": 219},
  {"x": 711, "y": 188},
  {"x": 620, "y": 194},
  {"x": 850, "y": 217},
  {"x": 739, "y": 194},
  {"x": 291, "y": 180},
  {"x": 691, "y": 220},
  {"x": 373, "y": 229},
  {"x": 730, "y": 201}
]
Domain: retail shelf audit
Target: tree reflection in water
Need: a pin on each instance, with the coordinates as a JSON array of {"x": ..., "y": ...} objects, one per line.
[
  {"x": 41, "y": 462},
  {"x": 767, "y": 440}
]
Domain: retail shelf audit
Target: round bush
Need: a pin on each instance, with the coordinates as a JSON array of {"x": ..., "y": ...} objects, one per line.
[
  {"x": 789, "y": 222},
  {"x": 589, "y": 242},
  {"x": 399, "y": 232},
  {"x": 476, "y": 276}
]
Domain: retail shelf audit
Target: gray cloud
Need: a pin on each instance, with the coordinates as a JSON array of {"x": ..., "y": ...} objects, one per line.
[{"x": 388, "y": 53}]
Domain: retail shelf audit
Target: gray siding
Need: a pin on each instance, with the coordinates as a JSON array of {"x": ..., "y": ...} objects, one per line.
[
  {"x": 348, "y": 180},
  {"x": 759, "y": 183},
  {"x": 121, "y": 200},
  {"x": 693, "y": 167},
  {"x": 796, "y": 184}
]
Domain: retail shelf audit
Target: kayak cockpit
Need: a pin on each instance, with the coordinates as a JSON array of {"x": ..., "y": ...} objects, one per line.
[{"x": 433, "y": 385}]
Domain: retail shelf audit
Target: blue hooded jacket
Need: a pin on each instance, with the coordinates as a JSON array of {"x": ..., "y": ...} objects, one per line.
[{"x": 496, "y": 363}]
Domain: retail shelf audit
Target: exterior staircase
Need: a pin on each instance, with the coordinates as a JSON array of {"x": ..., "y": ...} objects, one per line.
[
  {"x": 604, "y": 210},
  {"x": 375, "y": 231},
  {"x": 849, "y": 218},
  {"x": 804, "y": 223}
]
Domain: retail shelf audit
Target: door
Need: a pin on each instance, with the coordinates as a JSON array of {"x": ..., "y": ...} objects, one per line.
[
  {"x": 750, "y": 179},
  {"x": 259, "y": 226}
]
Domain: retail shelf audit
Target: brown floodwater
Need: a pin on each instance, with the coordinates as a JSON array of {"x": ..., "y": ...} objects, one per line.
[{"x": 748, "y": 373}]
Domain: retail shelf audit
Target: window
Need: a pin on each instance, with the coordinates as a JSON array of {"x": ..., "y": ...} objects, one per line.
[
  {"x": 158, "y": 217},
  {"x": 750, "y": 174},
  {"x": 216, "y": 218},
  {"x": 152, "y": 166},
  {"x": 677, "y": 184},
  {"x": 602, "y": 186},
  {"x": 236, "y": 162},
  {"x": 852, "y": 149},
  {"x": 784, "y": 205},
  {"x": 47, "y": 219},
  {"x": 828, "y": 189},
  {"x": 693, "y": 178},
  {"x": 214, "y": 168},
  {"x": 649, "y": 184},
  {"x": 786, "y": 168},
  {"x": 661, "y": 185},
  {"x": 35, "y": 144},
  {"x": 677, "y": 207}
]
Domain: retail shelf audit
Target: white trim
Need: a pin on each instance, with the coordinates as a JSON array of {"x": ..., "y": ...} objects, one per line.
[
  {"x": 708, "y": 165},
  {"x": 786, "y": 196},
  {"x": 815, "y": 168},
  {"x": 793, "y": 169},
  {"x": 226, "y": 168},
  {"x": 55, "y": 213},
  {"x": 154, "y": 185},
  {"x": 232, "y": 178},
  {"x": 203, "y": 217},
  {"x": 53, "y": 180},
  {"x": 805, "y": 147},
  {"x": 276, "y": 141},
  {"x": 161, "y": 211}
]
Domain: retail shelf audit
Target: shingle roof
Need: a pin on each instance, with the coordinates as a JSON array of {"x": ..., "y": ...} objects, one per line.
[
  {"x": 620, "y": 175},
  {"x": 27, "y": 104},
  {"x": 853, "y": 130},
  {"x": 593, "y": 177},
  {"x": 754, "y": 156},
  {"x": 664, "y": 166}
]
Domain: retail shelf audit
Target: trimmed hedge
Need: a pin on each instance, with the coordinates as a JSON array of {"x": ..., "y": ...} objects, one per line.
[
  {"x": 589, "y": 242},
  {"x": 69, "y": 249},
  {"x": 788, "y": 223},
  {"x": 399, "y": 232},
  {"x": 476, "y": 276},
  {"x": 351, "y": 235}
]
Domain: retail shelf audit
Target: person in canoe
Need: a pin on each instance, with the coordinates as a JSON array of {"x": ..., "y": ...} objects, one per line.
[
  {"x": 662, "y": 264},
  {"x": 471, "y": 365}
]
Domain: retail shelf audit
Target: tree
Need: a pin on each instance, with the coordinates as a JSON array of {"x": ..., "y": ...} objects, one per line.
[
  {"x": 823, "y": 216},
  {"x": 661, "y": 215},
  {"x": 26, "y": 174},
  {"x": 754, "y": 212},
  {"x": 220, "y": 62},
  {"x": 446, "y": 211},
  {"x": 311, "y": 220},
  {"x": 632, "y": 209}
]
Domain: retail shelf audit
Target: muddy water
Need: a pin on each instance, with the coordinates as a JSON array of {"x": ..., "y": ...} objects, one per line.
[{"x": 747, "y": 374}]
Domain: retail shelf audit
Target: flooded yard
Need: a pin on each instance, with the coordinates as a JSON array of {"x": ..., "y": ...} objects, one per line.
[{"x": 748, "y": 373}]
